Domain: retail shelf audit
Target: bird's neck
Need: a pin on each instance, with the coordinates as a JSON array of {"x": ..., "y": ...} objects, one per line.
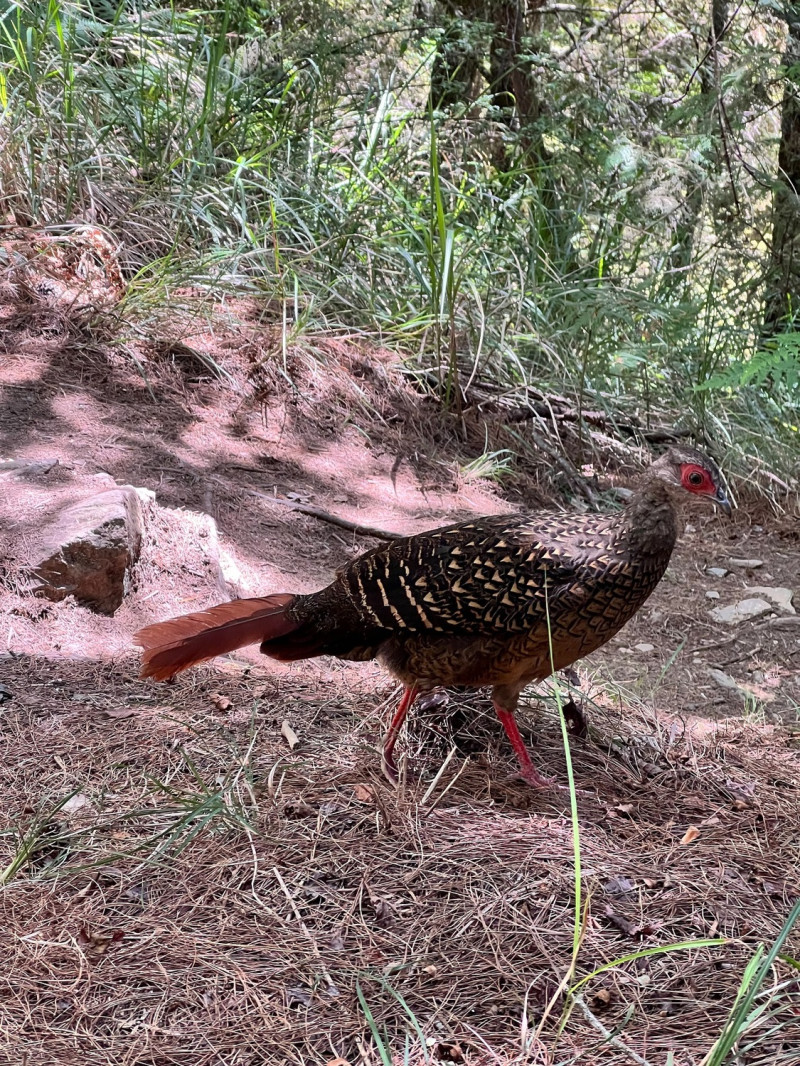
[{"x": 651, "y": 519}]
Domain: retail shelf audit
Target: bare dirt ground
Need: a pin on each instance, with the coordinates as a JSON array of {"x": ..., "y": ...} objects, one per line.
[{"x": 182, "y": 885}]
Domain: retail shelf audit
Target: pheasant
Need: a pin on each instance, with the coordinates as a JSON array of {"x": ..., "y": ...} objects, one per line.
[{"x": 499, "y": 601}]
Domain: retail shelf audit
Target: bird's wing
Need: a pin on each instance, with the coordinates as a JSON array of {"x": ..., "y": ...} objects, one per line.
[{"x": 507, "y": 573}]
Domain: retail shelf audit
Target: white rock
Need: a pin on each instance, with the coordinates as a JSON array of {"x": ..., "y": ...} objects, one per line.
[
  {"x": 716, "y": 571},
  {"x": 91, "y": 548},
  {"x": 232, "y": 583},
  {"x": 712, "y": 595},
  {"x": 76, "y": 803},
  {"x": 645, "y": 649},
  {"x": 746, "y": 564},
  {"x": 722, "y": 679},
  {"x": 741, "y": 611},
  {"x": 781, "y": 596}
]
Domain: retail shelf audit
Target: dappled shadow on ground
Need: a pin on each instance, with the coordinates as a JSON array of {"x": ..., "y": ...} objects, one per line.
[
  {"x": 337, "y": 426},
  {"x": 308, "y": 424},
  {"x": 226, "y": 891}
]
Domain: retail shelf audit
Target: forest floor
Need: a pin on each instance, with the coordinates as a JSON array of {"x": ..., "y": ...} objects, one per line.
[{"x": 214, "y": 871}]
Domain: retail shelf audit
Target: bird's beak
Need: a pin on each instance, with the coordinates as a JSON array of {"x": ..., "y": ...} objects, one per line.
[{"x": 721, "y": 500}]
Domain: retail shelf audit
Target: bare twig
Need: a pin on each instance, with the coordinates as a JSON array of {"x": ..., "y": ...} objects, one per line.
[
  {"x": 608, "y": 1036},
  {"x": 331, "y": 519},
  {"x": 304, "y": 927}
]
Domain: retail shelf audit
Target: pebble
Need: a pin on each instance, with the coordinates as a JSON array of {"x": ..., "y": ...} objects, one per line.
[
  {"x": 722, "y": 679},
  {"x": 716, "y": 571},
  {"x": 746, "y": 564},
  {"x": 712, "y": 595},
  {"x": 750, "y": 608},
  {"x": 779, "y": 595},
  {"x": 645, "y": 649}
]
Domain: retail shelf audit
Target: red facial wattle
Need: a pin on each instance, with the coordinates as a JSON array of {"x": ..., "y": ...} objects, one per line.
[{"x": 697, "y": 479}]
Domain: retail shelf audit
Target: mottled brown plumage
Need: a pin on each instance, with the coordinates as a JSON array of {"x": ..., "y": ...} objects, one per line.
[{"x": 477, "y": 603}]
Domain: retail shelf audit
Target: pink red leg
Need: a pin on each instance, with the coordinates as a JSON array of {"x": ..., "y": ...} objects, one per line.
[
  {"x": 410, "y": 693},
  {"x": 529, "y": 771}
]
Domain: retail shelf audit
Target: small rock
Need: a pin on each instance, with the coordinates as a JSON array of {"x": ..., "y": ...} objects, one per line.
[
  {"x": 722, "y": 679},
  {"x": 716, "y": 571},
  {"x": 27, "y": 467},
  {"x": 76, "y": 803},
  {"x": 712, "y": 595},
  {"x": 91, "y": 548},
  {"x": 746, "y": 564},
  {"x": 781, "y": 596},
  {"x": 689, "y": 528},
  {"x": 645, "y": 649},
  {"x": 741, "y": 611}
]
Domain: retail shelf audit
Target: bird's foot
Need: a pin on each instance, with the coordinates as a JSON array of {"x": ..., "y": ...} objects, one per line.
[
  {"x": 541, "y": 783},
  {"x": 389, "y": 770},
  {"x": 531, "y": 776}
]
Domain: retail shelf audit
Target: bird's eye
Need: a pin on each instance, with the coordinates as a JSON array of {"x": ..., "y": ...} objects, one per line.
[{"x": 695, "y": 478}]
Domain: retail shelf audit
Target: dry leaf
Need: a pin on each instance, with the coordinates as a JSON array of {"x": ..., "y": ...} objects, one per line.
[
  {"x": 337, "y": 1062},
  {"x": 619, "y": 886},
  {"x": 222, "y": 703},
  {"x": 60, "y": 763},
  {"x": 601, "y": 998},
  {"x": 692, "y": 833},
  {"x": 123, "y": 712},
  {"x": 99, "y": 942},
  {"x": 289, "y": 734},
  {"x": 363, "y": 793}
]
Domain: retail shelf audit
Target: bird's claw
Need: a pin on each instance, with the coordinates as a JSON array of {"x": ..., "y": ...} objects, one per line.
[
  {"x": 389, "y": 770},
  {"x": 542, "y": 783}
]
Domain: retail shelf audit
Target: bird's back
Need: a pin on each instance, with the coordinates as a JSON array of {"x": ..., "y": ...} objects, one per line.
[{"x": 484, "y": 600}]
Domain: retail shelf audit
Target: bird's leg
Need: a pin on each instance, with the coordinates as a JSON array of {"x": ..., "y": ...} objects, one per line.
[
  {"x": 410, "y": 693},
  {"x": 529, "y": 771}
]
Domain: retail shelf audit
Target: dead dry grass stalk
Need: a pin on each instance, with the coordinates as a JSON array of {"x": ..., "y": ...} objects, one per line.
[{"x": 221, "y": 919}]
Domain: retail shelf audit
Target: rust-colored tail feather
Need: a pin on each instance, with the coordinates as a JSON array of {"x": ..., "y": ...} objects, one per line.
[{"x": 179, "y": 643}]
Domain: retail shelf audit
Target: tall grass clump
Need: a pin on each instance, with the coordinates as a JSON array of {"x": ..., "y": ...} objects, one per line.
[{"x": 301, "y": 154}]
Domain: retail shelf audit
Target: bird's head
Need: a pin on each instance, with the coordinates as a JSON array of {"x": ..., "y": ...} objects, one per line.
[{"x": 686, "y": 468}]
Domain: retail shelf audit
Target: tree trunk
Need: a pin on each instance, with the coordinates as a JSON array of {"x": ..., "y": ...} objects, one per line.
[
  {"x": 513, "y": 86},
  {"x": 460, "y": 61},
  {"x": 782, "y": 298},
  {"x": 690, "y": 214},
  {"x": 456, "y": 73}
]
